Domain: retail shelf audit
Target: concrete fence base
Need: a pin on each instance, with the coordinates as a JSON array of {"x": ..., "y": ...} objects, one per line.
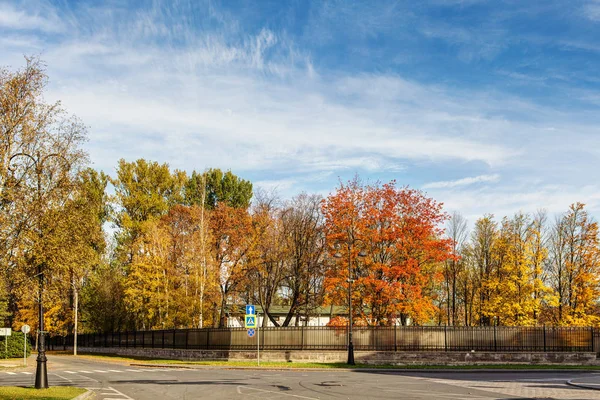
[{"x": 361, "y": 357}]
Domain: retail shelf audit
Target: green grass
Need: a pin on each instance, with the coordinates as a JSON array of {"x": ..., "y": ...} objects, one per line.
[
  {"x": 292, "y": 365},
  {"x": 53, "y": 393}
]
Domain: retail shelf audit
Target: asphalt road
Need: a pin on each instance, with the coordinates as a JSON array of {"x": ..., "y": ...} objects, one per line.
[{"x": 120, "y": 381}]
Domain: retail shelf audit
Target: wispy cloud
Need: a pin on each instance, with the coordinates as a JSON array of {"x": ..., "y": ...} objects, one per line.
[
  {"x": 463, "y": 182},
  {"x": 591, "y": 10},
  {"x": 35, "y": 18},
  {"x": 197, "y": 85}
]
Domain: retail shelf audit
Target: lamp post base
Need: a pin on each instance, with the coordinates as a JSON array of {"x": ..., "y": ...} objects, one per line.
[
  {"x": 351, "y": 354},
  {"x": 41, "y": 373}
]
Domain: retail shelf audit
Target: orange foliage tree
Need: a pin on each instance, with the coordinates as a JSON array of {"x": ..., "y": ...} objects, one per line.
[
  {"x": 397, "y": 230},
  {"x": 231, "y": 243}
]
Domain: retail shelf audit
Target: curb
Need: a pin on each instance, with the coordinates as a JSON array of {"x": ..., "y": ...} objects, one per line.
[
  {"x": 170, "y": 366},
  {"x": 83, "y": 396},
  {"x": 583, "y": 385},
  {"x": 380, "y": 370}
]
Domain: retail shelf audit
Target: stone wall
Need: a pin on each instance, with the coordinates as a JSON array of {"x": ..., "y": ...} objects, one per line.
[{"x": 361, "y": 357}]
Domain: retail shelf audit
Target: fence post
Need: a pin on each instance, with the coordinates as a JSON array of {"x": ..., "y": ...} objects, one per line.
[
  {"x": 163, "y": 340},
  {"x": 302, "y": 337},
  {"x": 187, "y": 334},
  {"x": 126, "y": 339},
  {"x": 445, "y": 338},
  {"x": 174, "y": 346},
  {"x": 134, "y": 339},
  {"x": 395, "y": 336},
  {"x": 592, "y": 337},
  {"x": 207, "y": 338},
  {"x": 495, "y": 340},
  {"x": 544, "y": 338}
]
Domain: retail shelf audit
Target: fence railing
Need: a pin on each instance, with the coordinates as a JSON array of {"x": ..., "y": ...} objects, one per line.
[{"x": 426, "y": 338}]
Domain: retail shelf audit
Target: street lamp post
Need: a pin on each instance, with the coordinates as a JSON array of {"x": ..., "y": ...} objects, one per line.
[
  {"x": 41, "y": 372},
  {"x": 350, "y": 280}
]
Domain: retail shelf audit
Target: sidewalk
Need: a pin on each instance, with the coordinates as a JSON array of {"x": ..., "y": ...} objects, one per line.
[
  {"x": 15, "y": 362},
  {"x": 585, "y": 383}
]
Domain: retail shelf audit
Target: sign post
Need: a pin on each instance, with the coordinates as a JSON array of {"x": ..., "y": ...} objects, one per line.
[
  {"x": 251, "y": 323},
  {"x": 6, "y": 333},
  {"x": 25, "y": 329}
]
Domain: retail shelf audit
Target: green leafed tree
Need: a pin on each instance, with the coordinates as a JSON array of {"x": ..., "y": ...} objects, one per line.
[
  {"x": 220, "y": 188},
  {"x": 144, "y": 190}
]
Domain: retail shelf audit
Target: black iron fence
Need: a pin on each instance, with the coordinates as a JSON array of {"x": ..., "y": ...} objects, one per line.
[{"x": 426, "y": 338}]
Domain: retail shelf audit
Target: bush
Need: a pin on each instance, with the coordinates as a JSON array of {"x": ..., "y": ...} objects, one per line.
[{"x": 15, "y": 345}]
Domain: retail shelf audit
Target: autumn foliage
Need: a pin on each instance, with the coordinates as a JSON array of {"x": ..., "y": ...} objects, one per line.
[
  {"x": 187, "y": 251},
  {"x": 398, "y": 234}
]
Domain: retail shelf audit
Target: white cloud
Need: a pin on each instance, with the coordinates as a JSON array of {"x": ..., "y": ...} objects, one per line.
[
  {"x": 463, "y": 182},
  {"x": 255, "y": 103},
  {"x": 31, "y": 19},
  {"x": 591, "y": 10},
  {"x": 505, "y": 201}
]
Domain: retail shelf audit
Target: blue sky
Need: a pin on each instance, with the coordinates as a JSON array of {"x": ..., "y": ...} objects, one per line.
[{"x": 488, "y": 106}]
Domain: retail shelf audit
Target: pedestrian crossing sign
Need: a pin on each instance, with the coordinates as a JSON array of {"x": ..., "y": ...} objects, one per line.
[{"x": 250, "y": 321}]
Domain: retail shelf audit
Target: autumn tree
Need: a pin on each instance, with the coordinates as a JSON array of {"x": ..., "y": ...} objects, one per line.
[
  {"x": 399, "y": 231},
  {"x": 574, "y": 265},
  {"x": 191, "y": 279},
  {"x": 230, "y": 243},
  {"x": 4, "y": 313},
  {"x": 304, "y": 240},
  {"x": 267, "y": 259},
  {"x": 143, "y": 191},
  {"x": 40, "y": 157},
  {"x": 518, "y": 288},
  {"x": 103, "y": 299},
  {"x": 457, "y": 232},
  {"x": 483, "y": 242}
]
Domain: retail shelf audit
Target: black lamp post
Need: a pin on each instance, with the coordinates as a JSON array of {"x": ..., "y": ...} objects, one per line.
[
  {"x": 41, "y": 372},
  {"x": 350, "y": 280}
]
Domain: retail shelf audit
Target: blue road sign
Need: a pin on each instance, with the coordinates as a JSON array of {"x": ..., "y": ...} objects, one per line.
[
  {"x": 250, "y": 321},
  {"x": 251, "y": 332},
  {"x": 250, "y": 309}
]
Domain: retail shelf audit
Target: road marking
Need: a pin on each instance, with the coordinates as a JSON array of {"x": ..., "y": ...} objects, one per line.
[
  {"x": 239, "y": 390},
  {"x": 101, "y": 371},
  {"x": 11, "y": 373},
  {"x": 62, "y": 377},
  {"x": 70, "y": 372},
  {"x": 86, "y": 372},
  {"x": 114, "y": 370},
  {"x": 124, "y": 396},
  {"x": 27, "y": 373},
  {"x": 133, "y": 370}
]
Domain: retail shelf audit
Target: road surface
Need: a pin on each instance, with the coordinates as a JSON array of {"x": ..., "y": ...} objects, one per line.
[{"x": 123, "y": 381}]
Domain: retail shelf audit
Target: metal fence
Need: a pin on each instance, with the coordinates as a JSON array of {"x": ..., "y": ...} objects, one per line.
[{"x": 426, "y": 338}]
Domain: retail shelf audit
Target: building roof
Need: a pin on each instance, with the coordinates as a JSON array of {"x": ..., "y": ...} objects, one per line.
[{"x": 283, "y": 310}]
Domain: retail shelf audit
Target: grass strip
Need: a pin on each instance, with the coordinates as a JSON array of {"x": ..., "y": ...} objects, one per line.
[
  {"x": 292, "y": 365},
  {"x": 53, "y": 393}
]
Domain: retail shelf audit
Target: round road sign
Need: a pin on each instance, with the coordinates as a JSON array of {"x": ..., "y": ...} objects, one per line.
[
  {"x": 250, "y": 332},
  {"x": 25, "y": 329}
]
